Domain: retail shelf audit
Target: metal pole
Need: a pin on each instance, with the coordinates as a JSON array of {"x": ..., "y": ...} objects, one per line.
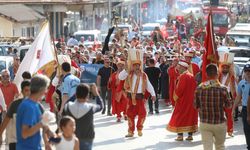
[
  {"x": 247, "y": 1},
  {"x": 140, "y": 23},
  {"x": 94, "y": 18},
  {"x": 109, "y": 13},
  {"x": 137, "y": 12}
]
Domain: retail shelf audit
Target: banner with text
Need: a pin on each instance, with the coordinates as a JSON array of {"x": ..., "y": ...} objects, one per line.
[{"x": 89, "y": 72}]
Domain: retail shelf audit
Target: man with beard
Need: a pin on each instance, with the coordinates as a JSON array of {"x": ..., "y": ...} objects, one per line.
[
  {"x": 193, "y": 67},
  {"x": 184, "y": 117},
  {"x": 228, "y": 79},
  {"x": 136, "y": 85},
  {"x": 118, "y": 97}
]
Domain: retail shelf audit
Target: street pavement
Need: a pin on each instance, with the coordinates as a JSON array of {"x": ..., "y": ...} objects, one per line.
[{"x": 110, "y": 135}]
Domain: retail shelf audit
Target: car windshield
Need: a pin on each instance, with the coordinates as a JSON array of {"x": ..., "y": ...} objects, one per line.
[
  {"x": 235, "y": 36},
  {"x": 126, "y": 29},
  {"x": 87, "y": 37},
  {"x": 148, "y": 28},
  {"x": 241, "y": 53},
  {"x": 3, "y": 50},
  {"x": 220, "y": 19},
  {"x": 2, "y": 65}
]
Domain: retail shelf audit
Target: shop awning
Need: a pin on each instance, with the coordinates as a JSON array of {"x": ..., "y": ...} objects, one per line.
[{"x": 19, "y": 13}]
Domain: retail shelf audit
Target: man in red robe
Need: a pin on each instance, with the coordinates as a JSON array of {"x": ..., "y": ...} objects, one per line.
[
  {"x": 228, "y": 79},
  {"x": 118, "y": 98},
  {"x": 138, "y": 88},
  {"x": 193, "y": 67},
  {"x": 173, "y": 75},
  {"x": 184, "y": 117}
]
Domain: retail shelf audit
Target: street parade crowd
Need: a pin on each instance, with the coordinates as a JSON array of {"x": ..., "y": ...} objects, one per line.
[{"x": 137, "y": 72}]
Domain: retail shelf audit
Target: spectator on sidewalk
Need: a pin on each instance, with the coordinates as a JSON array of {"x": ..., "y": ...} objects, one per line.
[
  {"x": 153, "y": 74},
  {"x": 10, "y": 118},
  {"x": 69, "y": 84},
  {"x": 103, "y": 76},
  {"x": 243, "y": 95},
  {"x": 26, "y": 75},
  {"x": 68, "y": 139},
  {"x": 211, "y": 107},
  {"x": 29, "y": 119},
  {"x": 9, "y": 89}
]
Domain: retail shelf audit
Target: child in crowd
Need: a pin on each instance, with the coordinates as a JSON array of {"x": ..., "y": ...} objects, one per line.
[{"x": 68, "y": 139}]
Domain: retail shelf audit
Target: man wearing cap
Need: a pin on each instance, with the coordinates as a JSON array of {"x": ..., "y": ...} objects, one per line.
[
  {"x": 184, "y": 117},
  {"x": 118, "y": 97},
  {"x": 228, "y": 79},
  {"x": 136, "y": 85},
  {"x": 193, "y": 67},
  {"x": 243, "y": 95}
]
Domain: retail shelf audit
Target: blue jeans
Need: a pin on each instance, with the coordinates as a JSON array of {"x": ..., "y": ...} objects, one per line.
[{"x": 86, "y": 145}]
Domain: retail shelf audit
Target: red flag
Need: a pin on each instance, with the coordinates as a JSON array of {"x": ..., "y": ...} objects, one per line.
[{"x": 211, "y": 53}]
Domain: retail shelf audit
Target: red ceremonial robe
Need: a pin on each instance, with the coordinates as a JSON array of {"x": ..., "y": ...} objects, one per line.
[
  {"x": 118, "y": 96},
  {"x": 49, "y": 97},
  {"x": 184, "y": 117},
  {"x": 173, "y": 75},
  {"x": 194, "y": 69}
]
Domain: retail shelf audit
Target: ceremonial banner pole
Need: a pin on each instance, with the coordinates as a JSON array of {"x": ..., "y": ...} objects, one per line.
[
  {"x": 52, "y": 40},
  {"x": 211, "y": 53}
]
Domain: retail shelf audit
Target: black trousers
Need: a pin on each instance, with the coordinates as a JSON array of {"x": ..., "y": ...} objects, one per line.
[
  {"x": 106, "y": 95},
  {"x": 236, "y": 113},
  {"x": 246, "y": 126},
  {"x": 189, "y": 134},
  {"x": 12, "y": 146},
  {"x": 150, "y": 103}
]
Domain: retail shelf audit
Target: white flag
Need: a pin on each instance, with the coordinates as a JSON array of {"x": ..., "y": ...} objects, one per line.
[{"x": 40, "y": 57}]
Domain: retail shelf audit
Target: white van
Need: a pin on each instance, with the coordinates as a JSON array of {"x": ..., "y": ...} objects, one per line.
[
  {"x": 148, "y": 28},
  {"x": 240, "y": 34},
  {"x": 90, "y": 36}
]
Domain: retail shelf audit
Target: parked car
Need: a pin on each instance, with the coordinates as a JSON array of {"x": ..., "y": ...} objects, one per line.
[
  {"x": 125, "y": 27},
  {"x": 91, "y": 37},
  {"x": 22, "y": 50},
  {"x": 4, "y": 49},
  {"x": 148, "y": 28},
  {"x": 240, "y": 34},
  {"x": 6, "y": 62},
  {"x": 241, "y": 56}
]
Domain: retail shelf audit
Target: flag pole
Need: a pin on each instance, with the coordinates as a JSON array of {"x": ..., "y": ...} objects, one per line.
[
  {"x": 52, "y": 40},
  {"x": 214, "y": 46}
]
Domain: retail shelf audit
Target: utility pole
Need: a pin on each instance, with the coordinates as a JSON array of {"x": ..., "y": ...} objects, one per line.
[
  {"x": 247, "y": 2},
  {"x": 109, "y": 13}
]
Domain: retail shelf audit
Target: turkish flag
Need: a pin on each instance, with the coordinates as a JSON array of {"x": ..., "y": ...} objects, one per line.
[{"x": 211, "y": 53}]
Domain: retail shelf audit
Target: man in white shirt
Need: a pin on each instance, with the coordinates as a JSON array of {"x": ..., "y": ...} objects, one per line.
[{"x": 138, "y": 87}]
